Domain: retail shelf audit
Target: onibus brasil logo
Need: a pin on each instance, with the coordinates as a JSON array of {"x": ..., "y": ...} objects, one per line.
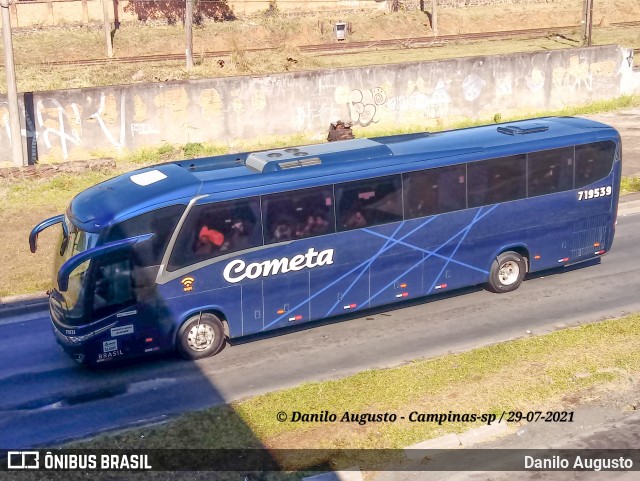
[{"x": 238, "y": 270}]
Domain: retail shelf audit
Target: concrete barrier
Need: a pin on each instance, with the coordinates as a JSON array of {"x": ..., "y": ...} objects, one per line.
[{"x": 70, "y": 124}]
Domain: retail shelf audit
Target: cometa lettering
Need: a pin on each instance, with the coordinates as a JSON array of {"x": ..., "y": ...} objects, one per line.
[{"x": 239, "y": 270}]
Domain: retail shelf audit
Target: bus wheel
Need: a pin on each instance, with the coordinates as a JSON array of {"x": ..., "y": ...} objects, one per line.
[
  {"x": 507, "y": 272},
  {"x": 200, "y": 336}
]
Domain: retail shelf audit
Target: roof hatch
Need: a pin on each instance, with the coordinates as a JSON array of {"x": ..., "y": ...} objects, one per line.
[
  {"x": 527, "y": 128},
  {"x": 306, "y": 156}
]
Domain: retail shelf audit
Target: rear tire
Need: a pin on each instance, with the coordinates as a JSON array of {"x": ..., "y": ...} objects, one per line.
[
  {"x": 200, "y": 336},
  {"x": 507, "y": 272}
]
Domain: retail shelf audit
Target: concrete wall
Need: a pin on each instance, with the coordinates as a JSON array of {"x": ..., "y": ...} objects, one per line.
[{"x": 71, "y": 124}]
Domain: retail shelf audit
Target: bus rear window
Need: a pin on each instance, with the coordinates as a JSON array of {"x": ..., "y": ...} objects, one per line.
[{"x": 593, "y": 162}]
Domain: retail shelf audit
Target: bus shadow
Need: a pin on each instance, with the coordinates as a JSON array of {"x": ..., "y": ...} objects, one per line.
[
  {"x": 172, "y": 411},
  {"x": 559, "y": 270}
]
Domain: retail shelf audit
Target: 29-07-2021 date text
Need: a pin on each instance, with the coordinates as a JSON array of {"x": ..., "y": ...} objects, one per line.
[{"x": 421, "y": 417}]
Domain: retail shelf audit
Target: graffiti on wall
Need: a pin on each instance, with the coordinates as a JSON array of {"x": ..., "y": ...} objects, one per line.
[
  {"x": 60, "y": 128},
  {"x": 504, "y": 84},
  {"x": 581, "y": 74},
  {"x": 73, "y": 124},
  {"x": 576, "y": 76},
  {"x": 108, "y": 120},
  {"x": 57, "y": 125},
  {"x": 108, "y": 113},
  {"x": 315, "y": 110},
  {"x": 364, "y": 105},
  {"x": 427, "y": 102}
]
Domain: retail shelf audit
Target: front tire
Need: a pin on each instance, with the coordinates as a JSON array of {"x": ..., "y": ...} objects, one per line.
[
  {"x": 507, "y": 272},
  {"x": 200, "y": 336}
]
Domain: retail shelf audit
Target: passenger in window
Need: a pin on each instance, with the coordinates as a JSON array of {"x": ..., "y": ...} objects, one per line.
[
  {"x": 209, "y": 242},
  {"x": 101, "y": 290},
  {"x": 239, "y": 236},
  {"x": 306, "y": 229},
  {"x": 282, "y": 232},
  {"x": 418, "y": 206},
  {"x": 450, "y": 190},
  {"x": 321, "y": 225},
  {"x": 585, "y": 174},
  {"x": 356, "y": 220},
  {"x": 545, "y": 183}
]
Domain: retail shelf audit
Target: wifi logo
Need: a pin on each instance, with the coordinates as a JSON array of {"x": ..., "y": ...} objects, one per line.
[{"x": 187, "y": 282}]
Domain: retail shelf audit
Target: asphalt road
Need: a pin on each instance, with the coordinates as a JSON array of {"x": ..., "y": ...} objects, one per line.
[{"x": 46, "y": 398}]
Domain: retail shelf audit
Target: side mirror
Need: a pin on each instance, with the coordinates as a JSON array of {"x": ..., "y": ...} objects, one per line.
[{"x": 33, "y": 236}]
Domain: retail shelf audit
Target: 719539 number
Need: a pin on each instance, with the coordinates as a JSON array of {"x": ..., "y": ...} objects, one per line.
[{"x": 594, "y": 193}]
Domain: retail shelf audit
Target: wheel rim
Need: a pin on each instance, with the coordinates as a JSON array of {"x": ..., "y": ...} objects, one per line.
[
  {"x": 509, "y": 273},
  {"x": 200, "y": 337}
]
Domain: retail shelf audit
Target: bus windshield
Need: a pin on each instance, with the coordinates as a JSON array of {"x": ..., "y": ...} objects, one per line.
[{"x": 78, "y": 241}]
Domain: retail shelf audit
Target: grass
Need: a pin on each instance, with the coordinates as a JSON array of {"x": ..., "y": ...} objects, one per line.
[
  {"x": 34, "y": 50},
  {"x": 609, "y": 105},
  {"x": 477, "y": 48},
  {"x": 630, "y": 184},
  {"x": 41, "y": 77},
  {"x": 164, "y": 153},
  {"x": 536, "y": 373}
]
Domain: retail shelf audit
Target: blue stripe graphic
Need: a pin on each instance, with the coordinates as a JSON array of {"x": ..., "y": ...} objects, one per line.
[
  {"x": 389, "y": 244},
  {"x": 464, "y": 232}
]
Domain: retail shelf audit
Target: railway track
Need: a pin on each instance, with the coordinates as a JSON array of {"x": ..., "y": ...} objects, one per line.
[{"x": 348, "y": 47}]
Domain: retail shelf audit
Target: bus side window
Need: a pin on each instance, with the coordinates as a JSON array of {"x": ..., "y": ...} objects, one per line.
[
  {"x": 215, "y": 229},
  {"x": 420, "y": 193},
  {"x": 497, "y": 180},
  {"x": 298, "y": 214},
  {"x": 434, "y": 191},
  {"x": 550, "y": 171},
  {"x": 593, "y": 162},
  {"x": 369, "y": 202}
]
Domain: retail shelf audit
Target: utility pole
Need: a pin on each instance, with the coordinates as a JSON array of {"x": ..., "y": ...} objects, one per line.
[
  {"x": 188, "y": 28},
  {"x": 12, "y": 90},
  {"x": 107, "y": 28},
  {"x": 434, "y": 17},
  {"x": 587, "y": 22}
]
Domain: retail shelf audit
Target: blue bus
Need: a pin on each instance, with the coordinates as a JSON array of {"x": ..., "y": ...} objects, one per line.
[{"x": 185, "y": 255}]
